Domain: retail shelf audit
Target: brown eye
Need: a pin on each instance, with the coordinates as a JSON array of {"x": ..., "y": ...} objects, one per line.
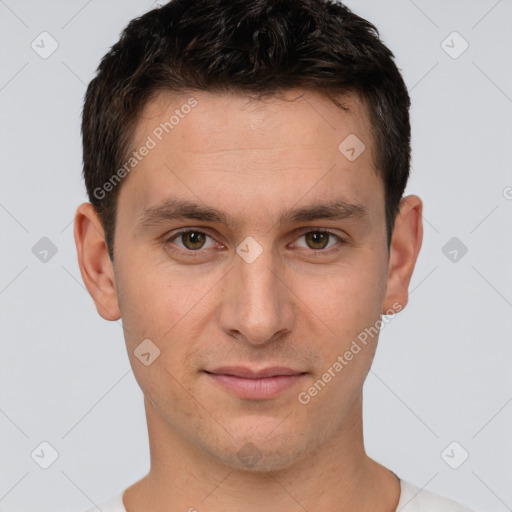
[
  {"x": 320, "y": 241},
  {"x": 317, "y": 239},
  {"x": 193, "y": 240}
]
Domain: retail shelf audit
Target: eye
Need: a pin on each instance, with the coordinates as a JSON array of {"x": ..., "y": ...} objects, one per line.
[
  {"x": 319, "y": 238},
  {"x": 192, "y": 239}
]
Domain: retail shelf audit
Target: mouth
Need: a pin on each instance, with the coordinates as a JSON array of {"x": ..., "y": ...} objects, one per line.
[{"x": 251, "y": 384}]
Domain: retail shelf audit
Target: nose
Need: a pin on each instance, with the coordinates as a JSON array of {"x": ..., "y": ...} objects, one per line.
[{"x": 257, "y": 305}]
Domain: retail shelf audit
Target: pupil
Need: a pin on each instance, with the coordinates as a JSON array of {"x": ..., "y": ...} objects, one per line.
[
  {"x": 192, "y": 235},
  {"x": 317, "y": 237}
]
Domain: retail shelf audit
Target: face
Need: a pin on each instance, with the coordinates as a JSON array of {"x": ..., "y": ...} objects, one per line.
[{"x": 227, "y": 258}]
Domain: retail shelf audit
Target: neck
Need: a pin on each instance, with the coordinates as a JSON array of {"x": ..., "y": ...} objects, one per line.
[{"x": 337, "y": 476}]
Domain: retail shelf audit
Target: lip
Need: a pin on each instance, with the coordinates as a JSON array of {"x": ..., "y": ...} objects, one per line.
[
  {"x": 249, "y": 373},
  {"x": 253, "y": 384}
]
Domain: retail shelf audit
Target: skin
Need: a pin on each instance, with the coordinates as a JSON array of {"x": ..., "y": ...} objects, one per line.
[{"x": 293, "y": 306}]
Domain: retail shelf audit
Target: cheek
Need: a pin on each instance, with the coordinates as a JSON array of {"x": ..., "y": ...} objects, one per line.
[
  {"x": 350, "y": 306},
  {"x": 347, "y": 308},
  {"x": 155, "y": 308},
  {"x": 155, "y": 297},
  {"x": 348, "y": 298},
  {"x": 166, "y": 306}
]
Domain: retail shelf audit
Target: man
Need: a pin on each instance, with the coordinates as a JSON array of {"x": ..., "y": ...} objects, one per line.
[{"x": 245, "y": 162}]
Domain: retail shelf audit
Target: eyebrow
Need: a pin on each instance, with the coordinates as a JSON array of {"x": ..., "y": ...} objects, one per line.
[{"x": 174, "y": 209}]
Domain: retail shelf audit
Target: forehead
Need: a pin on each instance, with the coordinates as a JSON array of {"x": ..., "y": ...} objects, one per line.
[
  {"x": 241, "y": 149},
  {"x": 307, "y": 113}
]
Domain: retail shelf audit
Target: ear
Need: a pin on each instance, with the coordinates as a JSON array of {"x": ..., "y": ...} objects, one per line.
[
  {"x": 405, "y": 246},
  {"x": 95, "y": 265}
]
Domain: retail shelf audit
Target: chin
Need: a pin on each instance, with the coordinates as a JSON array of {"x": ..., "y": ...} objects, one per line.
[{"x": 261, "y": 454}]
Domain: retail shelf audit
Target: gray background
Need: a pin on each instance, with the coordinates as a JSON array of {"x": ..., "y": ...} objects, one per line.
[{"x": 442, "y": 370}]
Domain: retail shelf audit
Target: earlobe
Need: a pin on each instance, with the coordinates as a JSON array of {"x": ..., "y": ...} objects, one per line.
[
  {"x": 95, "y": 266},
  {"x": 405, "y": 247}
]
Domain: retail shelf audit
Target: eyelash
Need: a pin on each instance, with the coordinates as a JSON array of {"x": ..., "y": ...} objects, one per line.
[{"x": 189, "y": 252}]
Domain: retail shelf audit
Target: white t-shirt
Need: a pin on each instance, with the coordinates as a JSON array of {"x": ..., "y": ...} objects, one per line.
[{"x": 412, "y": 499}]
